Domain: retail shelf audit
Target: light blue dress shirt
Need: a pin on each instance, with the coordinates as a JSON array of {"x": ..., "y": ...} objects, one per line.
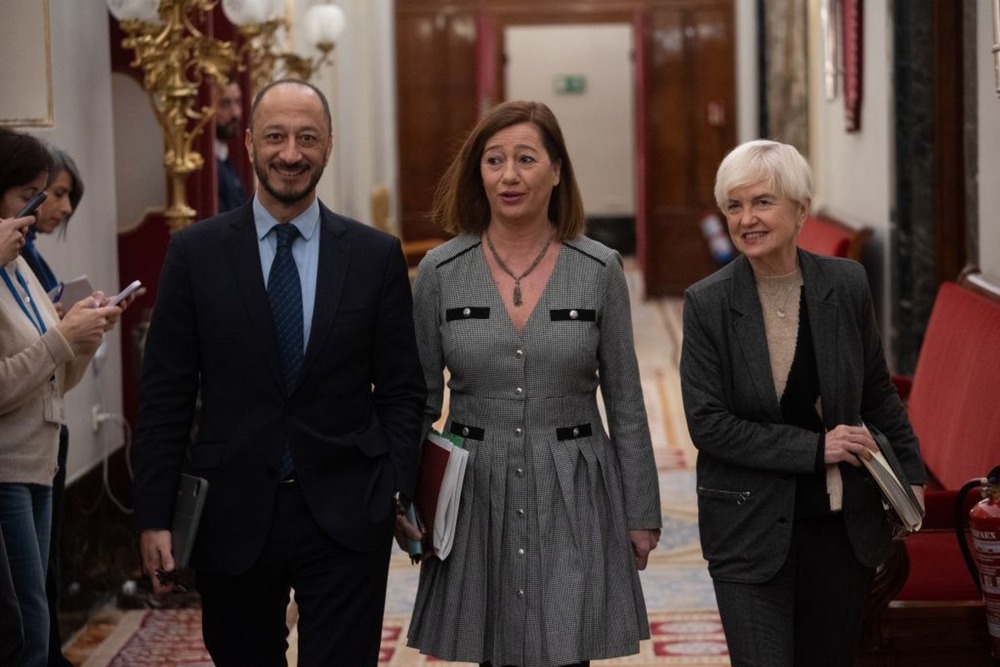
[{"x": 305, "y": 251}]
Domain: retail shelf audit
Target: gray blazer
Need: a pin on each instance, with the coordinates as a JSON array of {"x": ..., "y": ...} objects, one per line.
[{"x": 748, "y": 459}]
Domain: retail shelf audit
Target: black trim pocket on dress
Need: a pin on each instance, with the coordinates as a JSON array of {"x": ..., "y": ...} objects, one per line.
[
  {"x": 468, "y": 432},
  {"x": 573, "y": 432},
  {"x": 573, "y": 315},
  {"x": 467, "y": 313}
]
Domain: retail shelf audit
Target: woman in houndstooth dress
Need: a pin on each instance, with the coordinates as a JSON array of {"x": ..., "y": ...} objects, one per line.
[{"x": 530, "y": 318}]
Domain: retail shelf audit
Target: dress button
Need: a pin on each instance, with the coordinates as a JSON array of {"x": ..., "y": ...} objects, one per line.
[
  {"x": 520, "y": 552},
  {"x": 573, "y": 314},
  {"x": 520, "y": 472},
  {"x": 518, "y": 431},
  {"x": 520, "y": 513},
  {"x": 519, "y": 391},
  {"x": 520, "y": 593},
  {"x": 519, "y": 354},
  {"x": 465, "y": 431},
  {"x": 466, "y": 312},
  {"x": 576, "y": 432}
]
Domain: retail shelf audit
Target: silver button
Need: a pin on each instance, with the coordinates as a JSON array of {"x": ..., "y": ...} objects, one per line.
[
  {"x": 520, "y": 593},
  {"x": 519, "y": 354},
  {"x": 520, "y": 472},
  {"x": 576, "y": 432},
  {"x": 465, "y": 431},
  {"x": 520, "y": 513},
  {"x": 573, "y": 314},
  {"x": 466, "y": 312},
  {"x": 518, "y": 391},
  {"x": 518, "y": 431},
  {"x": 27, "y": 299},
  {"x": 520, "y": 552}
]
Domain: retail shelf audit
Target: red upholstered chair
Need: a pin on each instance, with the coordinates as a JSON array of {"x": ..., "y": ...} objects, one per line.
[
  {"x": 826, "y": 236},
  {"x": 933, "y": 605}
]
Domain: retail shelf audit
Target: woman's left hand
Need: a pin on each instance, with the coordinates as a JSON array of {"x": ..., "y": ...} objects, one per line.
[{"x": 643, "y": 542}]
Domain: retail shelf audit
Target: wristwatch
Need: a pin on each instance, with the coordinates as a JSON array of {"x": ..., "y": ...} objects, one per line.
[{"x": 402, "y": 502}]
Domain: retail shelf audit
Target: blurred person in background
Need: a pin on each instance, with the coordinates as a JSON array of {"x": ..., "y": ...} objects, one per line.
[
  {"x": 41, "y": 357},
  {"x": 228, "y": 126},
  {"x": 65, "y": 190},
  {"x": 12, "y": 233}
]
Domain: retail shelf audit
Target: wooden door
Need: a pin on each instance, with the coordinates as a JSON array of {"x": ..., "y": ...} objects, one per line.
[
  {"x": 690, "y": 125},
  {"x": 436, "y": 97}
]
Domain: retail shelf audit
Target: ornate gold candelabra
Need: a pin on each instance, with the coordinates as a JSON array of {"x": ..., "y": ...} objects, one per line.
[
  {"x": 261, "y": 52},
  {"x": 175, "y": 57}
]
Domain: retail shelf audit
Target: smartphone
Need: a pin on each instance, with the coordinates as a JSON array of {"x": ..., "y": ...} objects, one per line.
[
  {"x": 132, "y": 287},
  {"x": 33, "y": 204}
]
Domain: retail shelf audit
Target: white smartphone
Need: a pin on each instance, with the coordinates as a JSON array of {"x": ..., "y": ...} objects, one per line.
[{"x": 125, "y": 293}]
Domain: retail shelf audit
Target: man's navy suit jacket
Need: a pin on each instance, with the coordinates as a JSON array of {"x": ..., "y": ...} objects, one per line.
[{"x": 352, "y": 419}]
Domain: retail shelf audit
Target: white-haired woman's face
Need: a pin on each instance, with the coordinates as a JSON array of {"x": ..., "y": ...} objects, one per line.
[
  {"x": 57, "y": 207},
  {"x": 764, "y": 226}
]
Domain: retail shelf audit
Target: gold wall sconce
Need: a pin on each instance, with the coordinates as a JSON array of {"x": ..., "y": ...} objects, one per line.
[
  {"x": 260, "y": 22},
  {"x": 175, "y": 57}
]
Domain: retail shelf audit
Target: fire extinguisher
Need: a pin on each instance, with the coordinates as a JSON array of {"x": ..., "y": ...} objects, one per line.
[{"x": 984, "y": 564}]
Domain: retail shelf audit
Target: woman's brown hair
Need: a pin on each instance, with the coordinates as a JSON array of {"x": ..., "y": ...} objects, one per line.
[{"x": 460, "y": 202}]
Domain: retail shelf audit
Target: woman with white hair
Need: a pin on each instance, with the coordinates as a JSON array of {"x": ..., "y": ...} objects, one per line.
[{"x": 782, "y": 368}]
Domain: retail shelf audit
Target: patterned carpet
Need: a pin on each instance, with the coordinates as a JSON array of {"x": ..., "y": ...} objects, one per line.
[{"x": 684, "y": 623}]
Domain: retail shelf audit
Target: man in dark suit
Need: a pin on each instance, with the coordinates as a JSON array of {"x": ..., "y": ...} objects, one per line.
[
  {"x": 228, "y": 115},
  {"x": 304, "y": 437}
]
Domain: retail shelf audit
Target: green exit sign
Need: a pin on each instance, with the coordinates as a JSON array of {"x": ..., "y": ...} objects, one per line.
[{"x": 569, "y": 84}]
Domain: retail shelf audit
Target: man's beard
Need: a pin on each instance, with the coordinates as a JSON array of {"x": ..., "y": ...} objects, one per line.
[
  {"x": 226, "y": 131},
  {"x": 286, "y": 198}
]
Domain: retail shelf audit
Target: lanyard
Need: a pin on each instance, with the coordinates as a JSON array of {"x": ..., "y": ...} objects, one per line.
[{"x": 37, "y": 320}]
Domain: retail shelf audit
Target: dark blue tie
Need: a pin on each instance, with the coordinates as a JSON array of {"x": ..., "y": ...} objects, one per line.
[{"x": 284, "y": 291}]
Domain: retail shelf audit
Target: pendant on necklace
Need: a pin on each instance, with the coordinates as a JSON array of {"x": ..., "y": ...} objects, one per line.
[{"x": 517, "y": 294}]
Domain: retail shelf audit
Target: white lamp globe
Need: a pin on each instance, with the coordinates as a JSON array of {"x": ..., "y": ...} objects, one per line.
[
  {"x": 324, "y": 24},
  {"x": 245, "y": 12},
  {"x": 132, "y": 10}
]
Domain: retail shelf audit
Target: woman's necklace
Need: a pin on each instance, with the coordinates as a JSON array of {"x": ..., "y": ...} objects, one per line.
[
  {"x": 503, "y": 267},
  {"x": 779, "y": 308}
]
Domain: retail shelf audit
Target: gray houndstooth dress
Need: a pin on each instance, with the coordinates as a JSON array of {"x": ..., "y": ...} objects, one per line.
[{"x": 542, "y": 571}]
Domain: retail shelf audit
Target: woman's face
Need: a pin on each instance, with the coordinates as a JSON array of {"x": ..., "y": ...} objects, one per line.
[
  {"x": 764, "y": 226},
  {"x": 518, "y": 174},
  {"x": 15, "y": 198},
  {"x": 57, "y": 207}
]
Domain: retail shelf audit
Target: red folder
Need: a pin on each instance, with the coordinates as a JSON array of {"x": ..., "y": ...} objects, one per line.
[{"x": 439, "y": 489}]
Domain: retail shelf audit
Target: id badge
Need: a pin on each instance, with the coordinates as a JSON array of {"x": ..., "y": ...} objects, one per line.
[{"x": 55, "y": 410}]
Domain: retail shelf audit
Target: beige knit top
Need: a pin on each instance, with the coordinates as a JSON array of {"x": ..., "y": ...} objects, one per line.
[
  {"x": 779, "y": 300},
  {"x": 33, "y": 368}
]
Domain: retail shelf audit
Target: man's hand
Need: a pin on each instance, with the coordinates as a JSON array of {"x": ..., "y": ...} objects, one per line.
[
  {"x": 643, "y": 542},
  {"x": 406, "y": 531},
  {"x": 156, "y": 552}
]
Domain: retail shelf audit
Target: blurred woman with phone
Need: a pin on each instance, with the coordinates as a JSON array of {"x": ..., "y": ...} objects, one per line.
[
  {"x": 65, "y": 190},
  {"x": 41, "y": 357}
]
